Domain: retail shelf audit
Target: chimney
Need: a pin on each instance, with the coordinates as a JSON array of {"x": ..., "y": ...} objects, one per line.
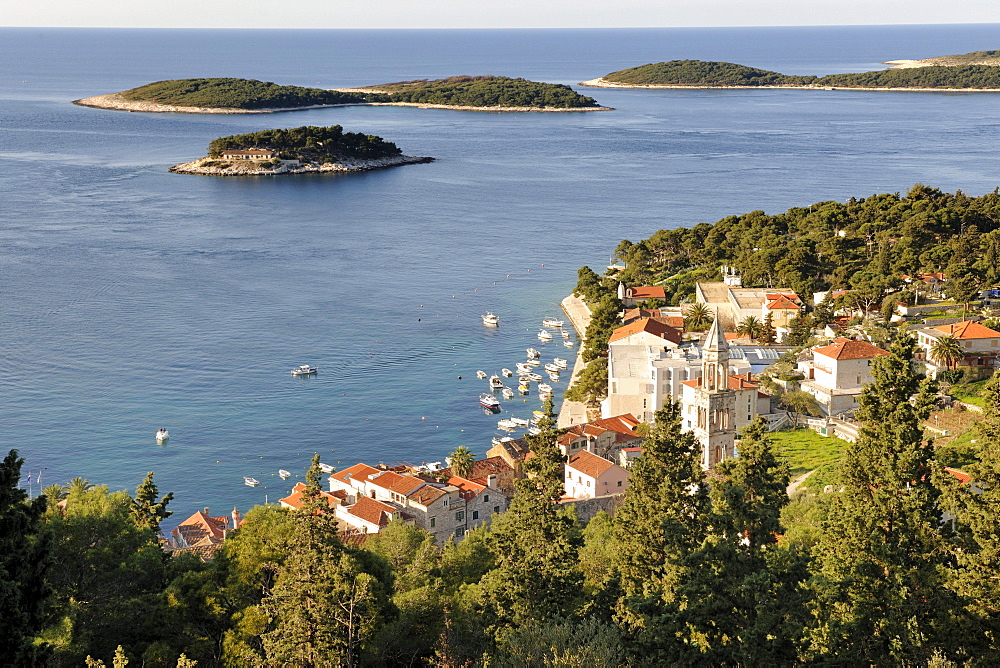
[
  {"x": 749, "y": 375},
  {"x": 491, "y": 480}
]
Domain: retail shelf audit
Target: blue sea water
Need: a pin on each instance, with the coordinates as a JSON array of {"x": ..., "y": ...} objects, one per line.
[{"x": 132, "y": 298}]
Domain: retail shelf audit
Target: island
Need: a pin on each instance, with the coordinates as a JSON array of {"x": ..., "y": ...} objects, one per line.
[
  {"x": 970, "y": 74},
  {"x": 302, "y": 150},
  {"x": 250, "y": 96},
  {"x": 481, "y": 93}
]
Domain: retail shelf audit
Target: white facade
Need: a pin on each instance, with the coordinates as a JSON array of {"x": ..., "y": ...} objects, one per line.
[
  {"x": 588, "y": 476},
  {"x": 836, "y": 374}
]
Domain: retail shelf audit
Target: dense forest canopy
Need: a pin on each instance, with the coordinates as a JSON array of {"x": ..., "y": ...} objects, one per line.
[
  {"x": 309, "y": 143},
  {"x": 226, "y": 93},
  {"x": 487, "y": 91},
  {"x": 865, "y": 244},
  {"x": 711, "y": 73}
]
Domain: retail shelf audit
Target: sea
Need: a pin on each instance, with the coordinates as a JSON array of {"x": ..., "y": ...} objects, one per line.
[{"x": 132, "y": 298}]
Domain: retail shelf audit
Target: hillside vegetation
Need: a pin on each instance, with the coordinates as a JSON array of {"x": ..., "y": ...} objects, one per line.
[
  {"x": 710, "y": 73},
  {"x": 309, "y": 143},
  {"x": 486, "y": 91},
  {"x": 973, "y": 58},
  {"x": 228, "y": 93}
]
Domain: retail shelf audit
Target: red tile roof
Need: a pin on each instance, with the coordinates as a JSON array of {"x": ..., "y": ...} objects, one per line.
[
  {"x": 201, "y": 529},
  {"x": 295, "y": 498},
  {"x": 646, "y": 292},
  {"x": 843, "y": 348},
  {"x": 968, "y": 330},
  {"x": 736, "y": 382},
  {"x": 589, "y": 464},
  {"x": 962, "y": 476},
  {"x": 482, "y": 468},
  {"x": 781, "y": 302},
  {"x": 647, "y": 325},
  {"x": 623, "y": 424},
  {"x": 394, "y": 482},
  {"x": 427, "y": 495},
  {"x": 361, "y": 471},
  {"x": 372, "y": 511},
  {"x": 467, "y": 489}
]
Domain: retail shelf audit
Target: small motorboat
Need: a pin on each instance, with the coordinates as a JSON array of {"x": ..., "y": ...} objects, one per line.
[
  {"x": 533, "y": 354},
  {"x": 545, "y": 335},
  {"x": 162, "y": 435},
  {"x": 538, "y": 414},
  {"x": 523, "y": 389},
  {"x": 534, "y": 431},
  {"x": 250, "y": 482},
  {"x": 304, "y": 370},
  {"x": 552, "y": 322},
  {"x": 489, "y": 402},
  {"x": 533, "y": 376},
  {"x": 565, "y": 333},
  {"x": 520, "y": 422},
  {"x": 507, "y": 393},
  {"x": 326, "y": 468},
  {"x": 283, "y": 474},
  {"x": 545, "y": 388},
  {"x": 495, "y": 382},
  {"x": 480, "y": 374},
  {"x": 560, "y": 362},
  {"x": 568, "y": 343},
  {"x": 553, "y": 376},
  {"x": 491, "y": 320},
  {"x": 523, "y": 367},
  {"x": 533, "y": 362},
  {"x": 506, "y": 372},
  {"x": 507, "y": 424},
  {"x": 501, "y": 440},
  {"x": 552, "y": 367}
]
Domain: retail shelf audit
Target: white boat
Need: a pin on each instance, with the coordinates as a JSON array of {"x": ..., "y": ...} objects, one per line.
[
  {"x": 533, "y": 362},
  {"x": 491, "y": 320},
  {"x": 250, "y": 482},
  {"x": 326, "y": 468},
  {"x": 552, "y": 322},
  {"x": 507, "y": 393},
  {"x": 523, "y": 389},
  {"x": 506, "y": 372},
  {"x": 538, "y": 414},
  {"x": 523, "y": 367},
  {"x": 534, "y": 431},
  {"x": 284, "y": 474},
  {"x": 560, "y": 362},
  {"x": 520, "y": 422},
  {"x": 545, "y": 335},
  {"x": 533, "y": 354},
  {"x": 545, "y": 388},
  {"x": 568, "y": 343},
  {"x": 554, "y": 376},
  {"x": 507, "y": 424},
  {"x": 162, "y": 435},
  {"x": 552, "y": 367},
  {"x": 304, "y": 370},
  {"x": 480, "y": 374},
  {"x": 495, "y": 382},
  {"x": 489, "y": 402},
  {"x": 533, "y": 376},
  {"x": 565, "y": 334},
  {"x": 501, "y": 440}
]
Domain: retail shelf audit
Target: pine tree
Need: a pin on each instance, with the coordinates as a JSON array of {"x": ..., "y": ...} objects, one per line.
[
  {"x": 149, "y": 512},
  {"x": 24, "y": 560},
  {"x": 661, "y": 520},
  {"x": 879, "y": 595},
  {"x": 323, "y": 606}
]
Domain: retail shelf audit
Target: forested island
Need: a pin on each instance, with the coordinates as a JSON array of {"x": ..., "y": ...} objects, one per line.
[
  {"x": 715, "y": 74},
  {"x": 297, "y": 151},
  {"x": 237, "y": 96},
  {"x": 224, "y": 95},
  {"x": 487, "y": 93}
]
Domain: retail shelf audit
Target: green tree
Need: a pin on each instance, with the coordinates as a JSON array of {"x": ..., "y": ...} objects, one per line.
[
  {"x": 799, "y": 402},
  {"x": 697, "y": 316},
  {"x": 963, "y": 288},
  {"x": 147, "y": 510},
  {"x": 24, "y": 560},
  {"x": 768, "y": 334},
  {"x": 750, "y": 326},
  {"x": 799, "y": 331},
  {"x": 591, "y": 385},
  {"x": 879, "y": 594},
  {"x": 461, "y": 461},
  {"x": 604, "y": 319},
  {"x": 948, "y": 351},
  {"x": 660, "y": 522},
  {"x": 588, "y": 285}
]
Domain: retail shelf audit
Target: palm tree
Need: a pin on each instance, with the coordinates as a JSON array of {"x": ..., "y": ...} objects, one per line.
[
  {"x": 697, "y": 316},
  {"x": 461, "y": 461},
  {"x": 750, "y": 326},
  {"x": 948, "y": 351},
  {"x": 78, "y": 486}
]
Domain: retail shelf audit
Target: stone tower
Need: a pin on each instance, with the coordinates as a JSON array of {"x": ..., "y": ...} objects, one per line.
[{"x": 715, "y": 403}]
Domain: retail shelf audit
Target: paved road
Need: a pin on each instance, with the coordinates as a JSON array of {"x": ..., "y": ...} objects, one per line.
[{"x": 575, "y": 412}]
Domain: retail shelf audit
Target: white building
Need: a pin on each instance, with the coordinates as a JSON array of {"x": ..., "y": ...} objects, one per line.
[
  {"x": 980, "y": 346},
  {"x": 836, "y": 373},
  {"x": 589, "y": 476}
]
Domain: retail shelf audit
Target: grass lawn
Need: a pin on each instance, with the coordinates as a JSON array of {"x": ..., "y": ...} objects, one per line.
[
  {"x": 970, "y": 393},
  {"x": 805, "y": 450}
]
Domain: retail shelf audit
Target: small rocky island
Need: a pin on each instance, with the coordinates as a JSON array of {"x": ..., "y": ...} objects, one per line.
[
  {"x": 481, "y": 93},
  {"x": 303, "y": 150},
  {"x": 970, "y": 72}
]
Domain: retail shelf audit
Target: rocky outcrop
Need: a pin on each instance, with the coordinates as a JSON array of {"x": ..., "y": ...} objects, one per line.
[{"x": 209, "y": 166}]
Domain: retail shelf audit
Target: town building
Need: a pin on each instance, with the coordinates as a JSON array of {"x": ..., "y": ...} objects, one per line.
[
  {"x": 733, "y": 304},
  {"x": 835, "y": 374},
  {"x": 634, "y": 296},
  {"x": 202, "y": 534},
  {"x": 248, "y": 154},
  {"x": 588, "y": 476},
  {"x": 980, "y": 347}
]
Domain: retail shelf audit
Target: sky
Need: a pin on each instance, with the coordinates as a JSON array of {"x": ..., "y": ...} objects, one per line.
[{"x": 485, "y": 14}]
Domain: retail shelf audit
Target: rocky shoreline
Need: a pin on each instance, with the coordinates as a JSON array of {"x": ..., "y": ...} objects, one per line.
[
  {"x": 601, "y": 83},
  {"x": 116, "y": 102},
  {"x": 202, "y": 167}
]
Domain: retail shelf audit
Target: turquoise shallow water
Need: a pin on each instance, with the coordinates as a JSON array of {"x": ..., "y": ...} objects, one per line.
[{"x": 132, "y": 298}]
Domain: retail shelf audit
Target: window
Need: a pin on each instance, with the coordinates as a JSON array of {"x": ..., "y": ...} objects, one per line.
[
  {"x": 496, "y": 509},
  {"x": 588, "y": 483},
  {"x": 459, "y": 532},
  {"x": 486, "y": 498},
  {"x": 460, "y": 515},
  {"x": 433, "y": 522},
  {"x": 475, "y": 514},
  {"x": 619, "y": 483}
]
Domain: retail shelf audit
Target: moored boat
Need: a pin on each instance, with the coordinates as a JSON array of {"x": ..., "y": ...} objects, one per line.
[
  {"x": 568, "y": 343},
  {"x": 560, "y": 362},
  {"x": 552, "y": 367},
  {"x": 507, "y": 424},
  {"x": 507, "y": 393},
  {"x": 480, "y": 374},
  {"x": 523, "y": 389},
  {"x": 250, "y": 482},
  {"x": 565, "y": 334},
  {"x": 545, "y": 335},
  {"x": 533, "y": 354},
  {"x": 326, "y": 468},
  {"x": 495, "y": 382},
  {"x": 162, "y": 435},
  {"x": 520, "y": 422},
  {"x": 506, "y": 372},
  {"x": 491, "y": 320},
  {"x": 523, "y": 367},
  {"x": 552, "y": 322},
  {"x": 284, "y": 474},
  {"x": 304, "y": 370},
  {"x": 545, "y": 388},
  {"x": 533, "y": 376},
  {"x": 489, "y": 402}
]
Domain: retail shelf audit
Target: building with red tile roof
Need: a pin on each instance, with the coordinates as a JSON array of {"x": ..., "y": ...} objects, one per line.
[
  {"x": 647, "y": 331},
  {"x": 980, "y": 347},
  {"x": 587, "y": 476},
  {"x": 294, "y": 500},
  {"x": 202, "y": 533},
  {"x": 835, "y": 374},
  {"x": 632, "y": 296}
]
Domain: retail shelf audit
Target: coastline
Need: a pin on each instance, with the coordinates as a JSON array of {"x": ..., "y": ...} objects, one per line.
[
  {"x": 242, "y": 168},
  {"x": 601, "y": 83},
  {"x": 115, "y": 102},
  {"x": 575, "y": 412}
]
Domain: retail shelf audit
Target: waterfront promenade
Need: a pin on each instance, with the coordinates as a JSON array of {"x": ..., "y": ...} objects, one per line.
[{"x": 575, "y": 412}]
